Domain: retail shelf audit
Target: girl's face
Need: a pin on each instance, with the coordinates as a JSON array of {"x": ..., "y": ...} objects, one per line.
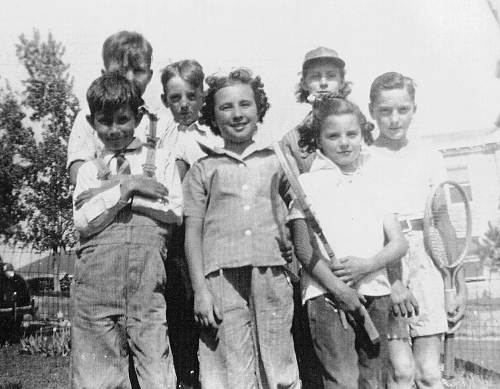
[
  {"x": 393, "y": 111},
  {"x": 183, "y": 100},
  {"x": 322, "y": 77},
  {"x": 340, "y": 140},
  {"x": 236, "y": 113}
]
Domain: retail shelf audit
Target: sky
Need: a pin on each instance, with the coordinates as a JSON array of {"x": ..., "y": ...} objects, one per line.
[{"x": 449, "y": 47}]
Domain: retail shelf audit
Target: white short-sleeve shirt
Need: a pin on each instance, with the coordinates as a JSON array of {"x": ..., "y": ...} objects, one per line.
[{"x": 350, "y": 211}]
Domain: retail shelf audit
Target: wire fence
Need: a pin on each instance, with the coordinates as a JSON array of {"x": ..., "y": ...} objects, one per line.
[{"x": 477, "y": 342}]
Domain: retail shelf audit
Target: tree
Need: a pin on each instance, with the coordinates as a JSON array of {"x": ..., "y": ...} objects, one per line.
[
  {"x": 16, "y": 149},
  {"x": 49, "y": 98}
]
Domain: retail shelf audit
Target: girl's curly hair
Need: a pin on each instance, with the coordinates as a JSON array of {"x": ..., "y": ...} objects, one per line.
[
  {"x": 237, "y": 76},
  {"x": 326, "y": 106}
]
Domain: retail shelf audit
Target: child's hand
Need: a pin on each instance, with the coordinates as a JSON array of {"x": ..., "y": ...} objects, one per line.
[
  {"x": 286, "y": 250},
  {"x": 403, "y": 302},
  {"x": 351, "y": 269},
  {"x": 456, "y": 311},
  {"x": 145, "y": 186},
  {"x": 348, "y": 299},
  {"x": 206, "y": 312}
]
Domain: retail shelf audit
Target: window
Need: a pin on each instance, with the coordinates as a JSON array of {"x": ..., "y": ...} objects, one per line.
[{"x": 459, "y": 174}]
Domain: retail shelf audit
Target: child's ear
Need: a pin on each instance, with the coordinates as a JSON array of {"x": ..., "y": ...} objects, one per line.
[
  {"x": 90, "y": 121},
  {"x": 150, "y": 75}
]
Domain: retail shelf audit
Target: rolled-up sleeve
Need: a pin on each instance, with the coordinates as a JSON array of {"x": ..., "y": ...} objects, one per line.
[
  {"x": 98, "y": 212},
  {"x": 195, "y": 194}
]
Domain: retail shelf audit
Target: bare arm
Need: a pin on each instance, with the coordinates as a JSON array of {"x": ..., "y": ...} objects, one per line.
[
  {"x": 352, "y": 269},
  {"x": 205, "y": 310}
]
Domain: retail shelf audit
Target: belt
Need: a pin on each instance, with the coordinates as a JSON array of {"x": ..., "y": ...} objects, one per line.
[{"x": 408, "y": 225}]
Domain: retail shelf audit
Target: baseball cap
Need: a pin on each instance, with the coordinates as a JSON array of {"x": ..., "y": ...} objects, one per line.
[{"x": 323, "y": 52}]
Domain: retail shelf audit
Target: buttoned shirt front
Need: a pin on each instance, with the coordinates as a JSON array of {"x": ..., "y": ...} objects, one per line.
[{"x": 235, "y": 195}]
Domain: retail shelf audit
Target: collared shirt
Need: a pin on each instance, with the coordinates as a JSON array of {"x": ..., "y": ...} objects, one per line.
[
  {"x": 409, "y": 175},
  {"x": 350, "y": 211},
  {"x": 235, "y": 195},
  {"x": 187, "y": 146},
  {"x": 101, "y": 209},
  {"x": 85, "y": 145}
]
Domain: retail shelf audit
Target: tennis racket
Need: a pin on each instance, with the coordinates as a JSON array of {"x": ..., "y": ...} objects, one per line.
[{"x": 447, "y": 237}]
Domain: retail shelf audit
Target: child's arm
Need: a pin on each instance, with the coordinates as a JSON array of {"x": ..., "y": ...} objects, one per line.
[
  {"x": 196, "y": 196},
  {"x": 81, "y": 146},
  {"x": 206, "y": 312},
  {"x": 403, "y": 302},
  {"x": 353, "y": 269},
  {"x": 99, "y": 211},
  {"x": 308, "y": 254},
  {"x": 457, "y": 311}
]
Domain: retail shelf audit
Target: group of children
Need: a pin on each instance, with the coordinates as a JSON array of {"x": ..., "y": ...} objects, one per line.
[{"x": 180, "y": 222}]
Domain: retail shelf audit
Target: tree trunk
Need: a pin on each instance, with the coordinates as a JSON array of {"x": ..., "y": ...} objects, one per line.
[{"x": 56, "y": 260}]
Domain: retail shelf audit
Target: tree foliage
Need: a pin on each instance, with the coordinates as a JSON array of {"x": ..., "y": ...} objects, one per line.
[
  {"x": 50, "y": 101},
  {"x": 17, "y": 145}
]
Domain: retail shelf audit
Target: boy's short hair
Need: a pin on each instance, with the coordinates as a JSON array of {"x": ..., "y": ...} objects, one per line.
[
  {"x": 322, "y": 54},
  {"x": 127, "y": 46},
  {"x": 324, "y": 107},
  {"x": 389, "y": 81},
  {"x": 189, "y": 70},
  {"x": 237, "y": 76},
  {"x": 112, "y": 91}
]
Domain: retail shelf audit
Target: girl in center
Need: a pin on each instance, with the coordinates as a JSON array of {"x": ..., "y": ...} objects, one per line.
[
  {"x": 342, "y": 189},
  {"x": 242, "y": 294}
]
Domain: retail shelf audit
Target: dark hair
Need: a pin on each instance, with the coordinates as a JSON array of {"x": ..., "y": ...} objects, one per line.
[
  {"x": 344, "y": 90},
  {"x": 389, "y": 81},
  {"x": 112, "y": 91},
  {"x": 327, "y": 106},
  {"x": 237, "y": 76},
  {"x": 126, "y": 46},
  {"x": 188, "y": 69}
]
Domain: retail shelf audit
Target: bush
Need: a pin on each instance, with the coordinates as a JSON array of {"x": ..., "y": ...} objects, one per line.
[{"x": 56, "y": 344}]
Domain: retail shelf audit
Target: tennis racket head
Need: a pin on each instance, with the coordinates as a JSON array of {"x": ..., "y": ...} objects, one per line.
[{"x": 447, "y": 225}]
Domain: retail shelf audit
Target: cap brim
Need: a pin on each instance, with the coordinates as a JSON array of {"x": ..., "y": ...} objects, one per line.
[{"x": 338, "y": 61}]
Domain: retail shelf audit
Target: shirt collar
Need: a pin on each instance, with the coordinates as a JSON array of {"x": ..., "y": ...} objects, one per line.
[
  {"x": 253, "y": 148},
  {"x": 134, "y": 146},
  {"x": 321, "y": 162},
  {"x": 192, "y": 127}
]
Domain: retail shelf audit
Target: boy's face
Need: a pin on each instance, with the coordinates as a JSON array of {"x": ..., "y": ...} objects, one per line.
[
  {"x": 138, "y": 71},
  {"x": 183, "y": 100},
  {"x": 236, "y": 113},
  {"x": 321, "y": 77},
  {"x": 340, "y": 140},
  {"x": 115, "y": 128},
  {"x": 393, "y": 111}
]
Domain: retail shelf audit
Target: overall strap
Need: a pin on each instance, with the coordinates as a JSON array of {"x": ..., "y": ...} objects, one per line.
[{"x": 149, "y": 167}]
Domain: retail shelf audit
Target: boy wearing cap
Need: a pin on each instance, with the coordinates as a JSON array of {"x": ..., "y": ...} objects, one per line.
[{"x": 323, "y": 72}]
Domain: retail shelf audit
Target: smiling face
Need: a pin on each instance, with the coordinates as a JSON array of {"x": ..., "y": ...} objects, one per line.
[
  {"x": 114, "y": 127},
  {"x": 236, "y": 114},
  {"x": 322, "y": 77},
  {"x": 393, "y": 111},
  {"x": 340, "y": 140},
  {"x": 183, "y": 100}
]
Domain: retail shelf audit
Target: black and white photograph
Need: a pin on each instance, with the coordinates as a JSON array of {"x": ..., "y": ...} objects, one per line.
[{"x": 261, "y": 194}]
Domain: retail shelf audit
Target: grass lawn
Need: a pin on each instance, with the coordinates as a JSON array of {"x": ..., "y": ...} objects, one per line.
[{"x": 32, "y": 371}]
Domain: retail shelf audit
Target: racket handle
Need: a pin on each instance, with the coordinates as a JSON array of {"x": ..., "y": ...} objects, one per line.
[
  {"x": 449, "y": 356},
  {"x": 449, "y": 297},
  {"x": 370, "y": 328}
]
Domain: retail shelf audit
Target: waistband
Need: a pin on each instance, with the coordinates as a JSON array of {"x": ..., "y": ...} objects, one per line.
[{"x": 136, "y": 234}]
